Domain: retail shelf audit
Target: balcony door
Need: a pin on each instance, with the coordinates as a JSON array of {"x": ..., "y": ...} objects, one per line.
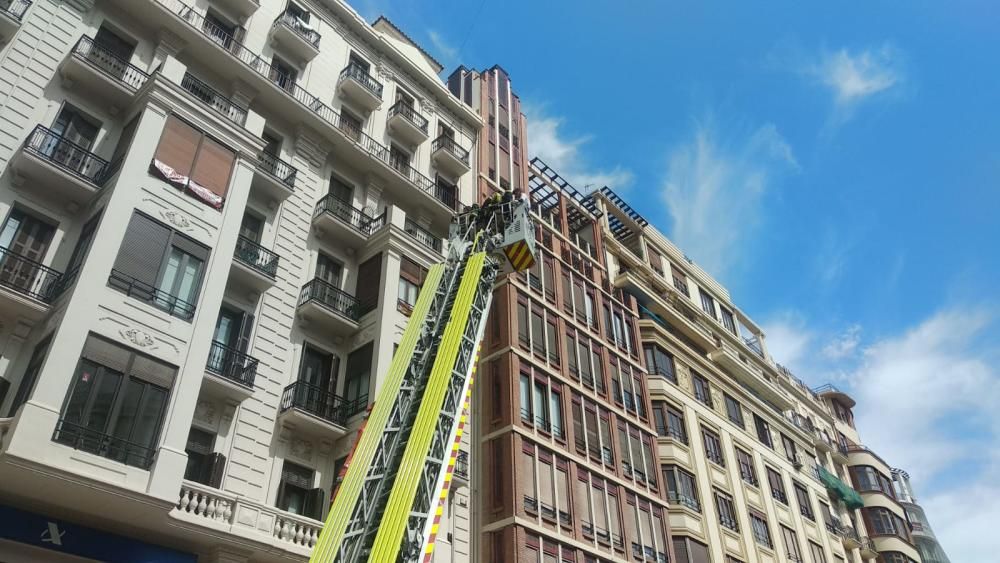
[
  {"x": 111, "y": 53},
  {"x": 317, "y": 382},
  {"x": 328, "y": 270},
  {"x": 73, "y": 135},
  {"x": 25, "y": 240},
  {"x": 252, "y": 227},
  {"x": 232, "y": 339}
]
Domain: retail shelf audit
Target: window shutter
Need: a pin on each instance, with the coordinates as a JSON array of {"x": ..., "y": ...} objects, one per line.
[
  {"x": 213, "y": 168},
  {"x": 178, "y": 145},
  {"x": 216, "y": 469},
  {"x": 142, "y": 249},
  {"x": 410, "y": 271},
  {"x": 106, "y": 353},
  {"x": 368, "y": 283},
  {"x": 153, "y": 371},
  {"x": 315, "y": 500},
  {"x": 246, "y": 327}
]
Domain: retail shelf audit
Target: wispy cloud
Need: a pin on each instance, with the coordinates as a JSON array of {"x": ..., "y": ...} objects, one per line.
[
  {"x": 854, "y": 77},
  {"x": 927, "y": 398},
  {"x": 567, "y": 154},
  {"x": 445, "y": 50},
  {"x": 712, "y": 172}
]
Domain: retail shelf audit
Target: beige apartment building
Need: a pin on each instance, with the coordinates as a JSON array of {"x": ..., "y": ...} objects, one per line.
[{"x": 216, "y": 215}]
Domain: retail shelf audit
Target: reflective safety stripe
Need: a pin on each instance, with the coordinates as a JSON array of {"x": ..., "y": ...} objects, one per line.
[{"x": 519, "y": 255}]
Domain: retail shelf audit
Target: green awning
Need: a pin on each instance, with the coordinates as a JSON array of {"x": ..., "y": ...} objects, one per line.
[{"x": 840, "y": 489}]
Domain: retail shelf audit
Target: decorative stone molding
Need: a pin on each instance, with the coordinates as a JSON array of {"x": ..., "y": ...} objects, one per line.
[
  {"x": 137, "y": 337},
  {"x": 206, "y": 412},
  {"x": 309, "y": 147}
]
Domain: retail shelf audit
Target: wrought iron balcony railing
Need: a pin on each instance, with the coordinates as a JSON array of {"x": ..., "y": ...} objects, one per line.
[
  {"x": 447, "y": 143},
  {"x": 359, "y": 74},
  {"x": 69, "y": 156},
  {"x": 107, "y": 61},
  {"x": 462, "y": 465},
  {"x": 232, "y": 364},
  {"x": 105, "y": 445},
  {"x": 332, "y": 298},
  {"x": 422, "y": 235},
  {"x": 349, "y": 214},
  {"x": 407, "y": 112},
  {"x": 171, "y": 304},
  {"x": 28, "y": 277},
  {"x": 319, "y": 402},
  {"x": 214, "y": 99},
  {"x": 279, "y": 169},
  {"x": 300, "y": 27},
  {"x": 256, "y": 256},
  {"x": 15, "y": 8}
]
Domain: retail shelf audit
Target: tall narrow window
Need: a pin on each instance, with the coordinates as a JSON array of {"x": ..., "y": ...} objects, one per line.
[
  {"x": 734, "y": 410},
  {"x": 701, "y": 389},
  {"x": 777, "y": 486},
  {"x": 791, "y": 453},
  {"x": 727, "y": 511},
  {"x": 681, "y": 487},
  {"x": 296, "y": 493},
  {"x": 791, "y": 544},
  {"x": 707, "y": 303},
  {"x": 761, "y": 533},
  {"x": 805, "y": 505},
  {"x": 357, "y": 378},
  {"x": 713, "y": 447},
  {"x": 523, "y": 332},
  {"x": 816, "y": 551},
  {"x": 763, "y": 431},
  {"x": 747, "y": 470},
  {"x": 27, "y": 385}
]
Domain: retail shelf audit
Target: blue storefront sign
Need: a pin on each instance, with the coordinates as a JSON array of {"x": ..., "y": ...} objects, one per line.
[{"x": 65, "y": 537}]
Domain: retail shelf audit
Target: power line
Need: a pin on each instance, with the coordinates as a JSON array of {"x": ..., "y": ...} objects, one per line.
[{"x": 471, "y": 26}]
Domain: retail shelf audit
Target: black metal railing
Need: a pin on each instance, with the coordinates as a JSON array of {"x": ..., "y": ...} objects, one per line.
[
  {"x": 256, "y": 256},
  {"x": 361, "y": 221},
  {"x": 279, "y": 169},
  {"x": 232, "y": 364},
  {"x": 446, "y": 193},
  {"x": 214, "y": 99},
  {"x": 332, "y": 298},
  {"x": 317, "y": 401},
  {"x": 110, "y": 63},
  {"x": 684, "y": 500},
  {"x": 28, "y": 277},
  {"x": 448, "y": 144},
  {"x": 779, "y": 496},
  {"x": 142, "y": 291},
  {"x": 849, "y": 533},
  {"x": 105, "y": 445},
  {"x": 15, "y": 8},
  {"x": 289, "y": 85},
  {"x": 867, "y": 545},
  {"x": 462, "y": 465},
  {"x": 673, "y": 433},
  {"x": 407, "y": 112},
  {"x": 361, "y": 76},
  {"x": 69, "y": 156},
  {"x": 300, "y": 27},
  {"x": 422, "y": 235}
]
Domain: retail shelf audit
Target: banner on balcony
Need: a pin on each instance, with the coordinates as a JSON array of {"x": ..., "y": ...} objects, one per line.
[{"x": 185, "y": 183}]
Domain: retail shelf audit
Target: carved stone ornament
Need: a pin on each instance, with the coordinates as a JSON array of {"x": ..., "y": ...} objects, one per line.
[
  {"x": 136, "y": 337},
  {"x": 176, "y": 219}
]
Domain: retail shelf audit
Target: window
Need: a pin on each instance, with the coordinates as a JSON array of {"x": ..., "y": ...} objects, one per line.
[
  {"x": 552, "y": 339},
  {"x": 761, "y": 533},
  {"x": 523, "y": 332},
  {"x": 727, "y": 511},
  {"x": 701, "y": 389},
  {"x": 894, "y": 557},
  {"x": 763, "y": 431},
  {"x": 791, "y": 454},
  {"x": 160, "y": 266},
  {"x": 296, "y": 493},
  {"x": 204, "y": 465},
  {"x": 537, "y": 332},
  {"x": 688, "y": 550},
  {"x": 681, "y": 487},
  {"x": 357, "y": 378},
  {"x": 777, "y": 486},
  {"x": 805, "y": 506},
  {"x": 883, "y": 522},
  {"x": 82, "y": 248},
  {"x": 115, "y": 405},
  {"x": 411, "y": 278},
  {"x": 191, "y": 160},
  {"x": 369, "y": 274},
  {"x": 27, "y": 384},
  {"x": 669, "y": 421},
  {"x": 25, "y": 240},
  {"x": 747, "y": 471},
  {"x": 728, "y": 321},
  {"x": 707, "y": 303},
  {"x": 713, "y": 447},
  {"x": 816, "y": 551},
  {"x": 527, "y": 412},
  {"x": 660, "y": 363},
  {"x": 791, "y": 545},
  {"x": 869, "y": 479},
  {"x": 734, "y": 410}
]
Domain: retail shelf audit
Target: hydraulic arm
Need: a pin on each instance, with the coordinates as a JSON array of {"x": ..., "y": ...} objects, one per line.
[{"x": 384, "y": 509}]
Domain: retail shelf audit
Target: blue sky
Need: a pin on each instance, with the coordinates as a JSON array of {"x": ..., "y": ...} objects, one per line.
[{"x": 835, "y": 165}]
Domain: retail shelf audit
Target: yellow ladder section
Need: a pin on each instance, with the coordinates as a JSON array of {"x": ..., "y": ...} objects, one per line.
[
  {"x": 350, "y": 490},
  {"x": 393, "y": 526}
]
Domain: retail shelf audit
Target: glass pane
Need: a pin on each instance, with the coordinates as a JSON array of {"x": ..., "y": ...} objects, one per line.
[
  {"x": 189, "y": 278},
  {"x": 104, "y": 396},
  {"x": 81, "y": 391},
  {"x": 147, "y": 424}
]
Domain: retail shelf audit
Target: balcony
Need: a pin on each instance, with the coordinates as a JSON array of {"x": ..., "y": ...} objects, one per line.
[
  {"x": 462, "y": 466},
  {"x": 231, "y": 372},
  {"x": 407, "y": 124},
  {"x": 750, "y": 373},
  {"x": 333, "y": 311},
  {"x": 238, "y": 8},
  {"x": 839, "y": 452},
  {"x": 822, "y": 440},
  {"x": 213, "y": 99},
  {"x": 11, "y": 12},
  {"x": 107, "y": 446},
  {"x": 422, "y": 235},
  {"x": 449, "y": 156},
  {"x": 27, "y": 288},
  {"x": 102, "y": 72},
  {"x": 170, "y": 304},
  {"x": 254, "y": 266},
  {"x": 867, "y": 548},
  {"x": 360, "y": 87},
  {"x": 60, "y": 169},
  {"x": 274, "y": 176},
  {"x": 347, "y": 224},
  {"x": 315, "y": 411},
  {"x": 239, "y": 516},
  {"x": 295, "y": 36},
  {"x": 849, "y": 536}
]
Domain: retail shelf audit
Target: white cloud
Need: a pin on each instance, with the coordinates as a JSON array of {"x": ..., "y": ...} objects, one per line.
[
  {"x": 441, "y": 46},
  {"x": 965, "y": 520},
  {"x": 788, "y": 340},
  {"x": 714, "y": 187},
  {"x": 853, "y": 77},
  {"x": 844, "y": 345},
  {"x": 566, "y": 155}
]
